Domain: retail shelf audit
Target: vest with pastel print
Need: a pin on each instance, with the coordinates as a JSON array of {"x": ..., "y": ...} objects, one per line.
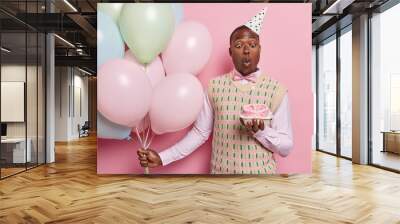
[{"x": 234, "y": 151}]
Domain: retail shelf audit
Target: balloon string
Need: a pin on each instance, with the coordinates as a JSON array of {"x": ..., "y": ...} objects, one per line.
[
  {"x": 138, "y": 135},
  {"x": 143, "y": 135},
  {"x": 146, "y": 146},
  {"x": 146, "y": 169},
  {"x": 151, "y": 139},
  {"x": 147, "y": 135},
  {"x": 144, "y": 143},
  {"x": 151, "y": 132}
]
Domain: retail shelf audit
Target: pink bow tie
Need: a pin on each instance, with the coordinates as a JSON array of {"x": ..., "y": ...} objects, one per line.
[{"x": 250, "y": 78}]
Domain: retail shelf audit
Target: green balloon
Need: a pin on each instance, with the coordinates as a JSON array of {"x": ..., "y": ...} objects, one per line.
[
  {"x": 146, "y": 28},
  {"x": 111, "y": 9}
]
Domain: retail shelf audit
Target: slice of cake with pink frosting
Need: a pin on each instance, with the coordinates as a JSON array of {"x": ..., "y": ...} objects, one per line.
[{"x": 256, "y": 111}]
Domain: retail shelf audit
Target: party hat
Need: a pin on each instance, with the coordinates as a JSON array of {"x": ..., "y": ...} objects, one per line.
[{"x": 256, "y": 22}]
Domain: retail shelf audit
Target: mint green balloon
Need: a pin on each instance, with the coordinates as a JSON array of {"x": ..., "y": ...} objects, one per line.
[
  {"x": 111, "y": 9},
  {"x": 146, "y": 28}
]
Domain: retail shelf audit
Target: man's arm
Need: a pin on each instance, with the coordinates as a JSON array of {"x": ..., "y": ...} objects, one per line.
[
  {"x": 194, "y": 138},
  {"x": 278, "y": 138}
]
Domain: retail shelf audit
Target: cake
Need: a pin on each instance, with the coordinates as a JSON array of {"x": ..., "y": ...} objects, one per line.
[{"x": 256, "y": 111}]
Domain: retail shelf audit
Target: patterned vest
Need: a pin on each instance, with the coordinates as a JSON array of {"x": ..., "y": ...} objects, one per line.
[{"x": 234, "y": 151}]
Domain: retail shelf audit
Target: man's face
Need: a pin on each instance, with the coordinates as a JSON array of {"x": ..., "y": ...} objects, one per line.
[{"x": 245, "y": 50}]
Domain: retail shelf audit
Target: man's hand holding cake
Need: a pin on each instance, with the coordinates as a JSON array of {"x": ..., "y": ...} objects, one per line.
[{"x": 252, "y": 117}]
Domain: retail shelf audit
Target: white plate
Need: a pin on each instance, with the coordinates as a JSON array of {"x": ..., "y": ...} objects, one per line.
[{"x": 257, "y": 118}]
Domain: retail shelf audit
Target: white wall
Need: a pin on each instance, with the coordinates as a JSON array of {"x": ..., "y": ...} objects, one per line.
[
  {"x": 62, "y": 80},
  {"x": 80, "y": 110},
  {"x": 33, "y": 127},
  {"x": 70, "y": 83},
  {"x": 12, "y": 73},
  {"x": 13, "y": 101}
]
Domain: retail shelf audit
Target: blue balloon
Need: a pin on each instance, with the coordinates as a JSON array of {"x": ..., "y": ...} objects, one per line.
[
  {"x": 110, "y": 130},
  {"x": 109, "y": 41},
  {"x": 178, "y": 12}
]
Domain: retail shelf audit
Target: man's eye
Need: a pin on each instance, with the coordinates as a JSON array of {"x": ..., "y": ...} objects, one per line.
[
  {"x": 253, "y": 45},
  {"x": 238, "y": 46}
]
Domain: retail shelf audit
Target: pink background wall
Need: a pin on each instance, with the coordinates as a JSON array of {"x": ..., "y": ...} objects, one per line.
[{"x": 285, "y": 56}]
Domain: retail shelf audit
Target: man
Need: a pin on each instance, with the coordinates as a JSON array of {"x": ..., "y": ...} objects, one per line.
[{"x": 238, "y": 147}]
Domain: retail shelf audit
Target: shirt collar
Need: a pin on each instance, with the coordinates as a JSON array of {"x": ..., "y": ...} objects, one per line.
[{"x": 256, "y": 73}]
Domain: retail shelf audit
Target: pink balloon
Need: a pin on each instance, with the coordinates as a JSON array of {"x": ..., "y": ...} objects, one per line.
[
  {"x": 189, "y": 49},
  {"x": 176, "y": 103},
  {"x": 142, "y": 125},
  {"x": 124, "y": 92},
  {"x": 154, "y": 70}
]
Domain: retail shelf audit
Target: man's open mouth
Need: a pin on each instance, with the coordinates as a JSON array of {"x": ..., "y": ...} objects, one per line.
[{"x": 246, "y": 62}]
